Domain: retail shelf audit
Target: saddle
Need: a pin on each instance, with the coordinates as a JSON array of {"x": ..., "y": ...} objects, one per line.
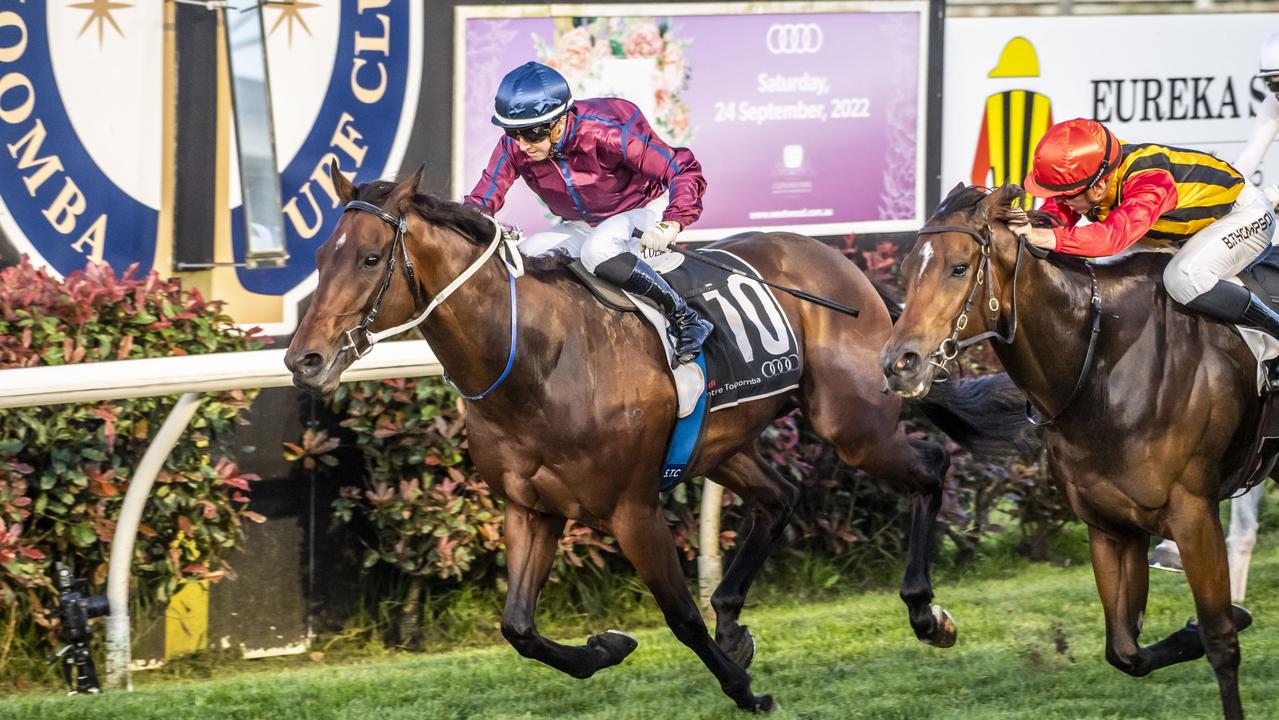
[
  {"x": 1262, "y": 277},
  {"x": 607, "y": 293}
]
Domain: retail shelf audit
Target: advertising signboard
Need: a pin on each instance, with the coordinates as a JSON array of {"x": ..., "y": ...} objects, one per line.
[
  {"x": 1188, "y": 81},
  {"x": 804, "y": 116}
]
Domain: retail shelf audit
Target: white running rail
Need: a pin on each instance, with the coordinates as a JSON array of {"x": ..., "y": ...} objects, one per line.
[{"x": 186, "y": 376}]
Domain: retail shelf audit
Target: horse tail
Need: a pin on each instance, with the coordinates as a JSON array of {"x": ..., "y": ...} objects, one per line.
[
  {"x": 986, "y": 415},
  {"x": 890, "y": 299}
]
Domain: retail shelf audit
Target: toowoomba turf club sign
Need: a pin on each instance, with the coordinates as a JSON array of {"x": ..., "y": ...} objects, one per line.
[{"x": 82, "y": 127}]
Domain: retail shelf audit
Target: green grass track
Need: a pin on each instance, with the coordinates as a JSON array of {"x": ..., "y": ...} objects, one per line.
[{"x": 1030, "y": 646}]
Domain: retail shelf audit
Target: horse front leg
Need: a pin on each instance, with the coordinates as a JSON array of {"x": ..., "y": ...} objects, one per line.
[
  {"x": 1203, "y": 556},
  {"x": 1123, "y": 581},
  {"x": 771, "y": 499},
  {"x": 532, "y": 539},
  {"x": 1123, "y": 578}
]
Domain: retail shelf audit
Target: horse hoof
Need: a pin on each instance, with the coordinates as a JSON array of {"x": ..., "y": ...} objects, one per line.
[
  {"x": 758, "y": 703},
  {"x": 741, "y": 648},
  {"x": 615, "y": 644},
  {"x": 945, "y": 631},
  {"x": 1241, "y": 617}
]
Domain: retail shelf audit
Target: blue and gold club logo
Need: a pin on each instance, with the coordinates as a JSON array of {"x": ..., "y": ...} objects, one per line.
[{"x": 84, "y": 122}]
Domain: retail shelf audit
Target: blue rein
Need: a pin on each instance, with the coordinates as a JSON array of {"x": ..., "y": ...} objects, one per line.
[{"x": 510, "y": 361}]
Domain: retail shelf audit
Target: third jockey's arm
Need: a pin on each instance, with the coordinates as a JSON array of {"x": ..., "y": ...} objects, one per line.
[
  {"x": 490, "y": 192},
  {"x": 673, "y": 168},
  {"x": 1264, "y": 130},
  {"x": 1147, "y": 195}
]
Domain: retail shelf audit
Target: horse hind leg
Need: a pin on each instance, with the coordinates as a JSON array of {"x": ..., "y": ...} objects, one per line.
[
  {"x": 531, "y": 542},
  {"x": 845, "y": 401},
  {"x": 926, "y": 477},
  {"x": 646, "y": 541},
  {"x": 921, "y": 466},
  {"x": 771, "y": 499}
]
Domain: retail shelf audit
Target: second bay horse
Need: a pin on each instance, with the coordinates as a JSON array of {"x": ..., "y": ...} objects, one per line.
[{"x": 1154, "y": 408}]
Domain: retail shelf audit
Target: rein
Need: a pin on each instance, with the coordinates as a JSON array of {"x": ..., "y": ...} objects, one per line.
[
  {"x": 360, "y": 339},
  {"x": 952, "y": 346}
]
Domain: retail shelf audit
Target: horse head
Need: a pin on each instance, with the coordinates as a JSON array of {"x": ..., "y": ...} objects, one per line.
[
  {"x": 376, "y": 272},
  {"x": 952, "y": 296}
]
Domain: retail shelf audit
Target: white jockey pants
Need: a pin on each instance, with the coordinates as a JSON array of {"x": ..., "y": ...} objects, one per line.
[
  {"x": 1224, "y": 248},
  {"x": 596, "y": 244}
]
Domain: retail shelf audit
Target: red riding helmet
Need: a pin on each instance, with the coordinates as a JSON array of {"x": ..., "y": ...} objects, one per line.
[{"x": 1070, "y": 157}]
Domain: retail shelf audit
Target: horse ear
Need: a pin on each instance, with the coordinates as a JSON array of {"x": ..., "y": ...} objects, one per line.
[
  {"x": 402, "y": 195},
  {"x": 988, "y": 207},
  {"x": 997, "y": 202},
  {"x": 341, "y": 185}
]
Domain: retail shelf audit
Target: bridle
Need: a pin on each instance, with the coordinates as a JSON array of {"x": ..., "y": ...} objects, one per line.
[
  {"x": 952, "y": 346},
  {"x": 360, "y": 339}
]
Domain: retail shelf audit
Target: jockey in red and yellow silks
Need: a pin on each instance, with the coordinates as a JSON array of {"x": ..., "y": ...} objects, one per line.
[
  {"x": 599, "y": 166},
  {"x": 1187, "y": 200}
]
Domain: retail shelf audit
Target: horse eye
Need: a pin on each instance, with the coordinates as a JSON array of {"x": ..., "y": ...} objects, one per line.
[
  {"x": 372, "y": 260},
  {"x": 959, "y": 270}
]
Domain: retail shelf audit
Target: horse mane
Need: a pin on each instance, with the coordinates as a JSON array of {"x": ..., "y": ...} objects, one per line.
[
  {"x": 1129, "y": 270},
  {"x": 466, "y": 220},
  {"x": 968, "y": 200}
]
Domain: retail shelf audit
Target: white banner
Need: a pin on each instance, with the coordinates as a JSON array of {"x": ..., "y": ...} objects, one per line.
[{"x": 1182, "y": 80}]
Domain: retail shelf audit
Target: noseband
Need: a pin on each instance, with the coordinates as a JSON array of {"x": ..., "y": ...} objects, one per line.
[
  {"x": 360, "y": 339},
  {"x": 952, "y": 346}
]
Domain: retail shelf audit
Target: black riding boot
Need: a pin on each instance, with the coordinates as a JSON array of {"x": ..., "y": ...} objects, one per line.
[
  {"x": 688, "y": 329},
  {"x": 1260, "y": 316},
  {"x": 1236, "y": 304}
]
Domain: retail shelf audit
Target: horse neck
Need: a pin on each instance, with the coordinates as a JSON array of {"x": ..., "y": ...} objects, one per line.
[
  {"x": 1053, "y": 323},
  {"x": 470, "y": 332}
]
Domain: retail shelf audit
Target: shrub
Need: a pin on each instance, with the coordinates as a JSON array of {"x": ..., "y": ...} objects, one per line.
[{"x": 64, "y": 469}]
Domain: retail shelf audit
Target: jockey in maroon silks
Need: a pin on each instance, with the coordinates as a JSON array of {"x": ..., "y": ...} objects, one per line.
[{"x": 600, "y": 167}]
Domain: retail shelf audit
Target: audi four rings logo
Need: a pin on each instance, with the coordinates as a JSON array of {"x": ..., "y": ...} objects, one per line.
[
  {"x": 794, "y": 39},
  {"x": 779, "y": 365}
]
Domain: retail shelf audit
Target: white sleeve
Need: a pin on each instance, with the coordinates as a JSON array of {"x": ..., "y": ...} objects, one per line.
[{"x": 1264, "y": 130}]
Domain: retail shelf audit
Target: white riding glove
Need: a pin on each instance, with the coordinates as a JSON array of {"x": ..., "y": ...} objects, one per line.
[{"x": 658, "y": 238}]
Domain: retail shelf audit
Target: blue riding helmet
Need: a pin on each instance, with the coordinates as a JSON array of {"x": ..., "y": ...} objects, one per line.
[{"x": 531, "y": 94}]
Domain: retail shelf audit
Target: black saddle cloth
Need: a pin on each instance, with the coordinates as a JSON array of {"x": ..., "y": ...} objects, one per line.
[{"x": 752, "y": 353}]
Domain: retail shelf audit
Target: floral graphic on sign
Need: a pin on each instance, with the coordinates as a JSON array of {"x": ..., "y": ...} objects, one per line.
[{"x": 635, "y": 58}]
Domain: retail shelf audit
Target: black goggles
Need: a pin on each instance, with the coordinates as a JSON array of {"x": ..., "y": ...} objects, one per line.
[
  {"x": 537, "y": 133},
  {"x": 1272, "y": 83}
]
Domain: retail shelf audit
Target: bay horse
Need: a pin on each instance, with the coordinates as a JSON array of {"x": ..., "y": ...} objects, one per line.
[
  {"x": 1153, "y": 408},
  {"x": 578, "y": 426}
]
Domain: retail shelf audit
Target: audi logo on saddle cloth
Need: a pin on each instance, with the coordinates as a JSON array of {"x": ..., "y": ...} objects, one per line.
[
  {"x": 779, "y": 365},
  {"x": 794, "y": 39}
]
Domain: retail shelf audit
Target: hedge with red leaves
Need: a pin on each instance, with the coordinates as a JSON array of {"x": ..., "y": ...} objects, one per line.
[{"x": 64, "y": 469}]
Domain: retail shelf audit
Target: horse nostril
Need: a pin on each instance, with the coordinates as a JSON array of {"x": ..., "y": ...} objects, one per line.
[
  {"x": 306, "y": 364},
  {"x": 907, "y": 362}
]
